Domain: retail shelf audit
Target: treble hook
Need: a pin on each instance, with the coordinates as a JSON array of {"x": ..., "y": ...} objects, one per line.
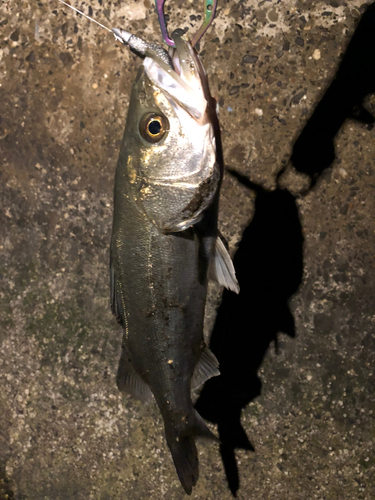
[{"x": 209, "y": 14}]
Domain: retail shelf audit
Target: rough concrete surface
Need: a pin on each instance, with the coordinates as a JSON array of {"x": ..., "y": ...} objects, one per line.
[{"x": 65, "y": 430}]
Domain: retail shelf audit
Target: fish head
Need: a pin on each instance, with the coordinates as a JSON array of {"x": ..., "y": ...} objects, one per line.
[{"x": 169, "y": 146}]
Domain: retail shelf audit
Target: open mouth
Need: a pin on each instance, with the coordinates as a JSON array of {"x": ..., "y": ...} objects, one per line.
[
  {"x": 180, "y": 77},
  {"x": 184, "y": 83}
]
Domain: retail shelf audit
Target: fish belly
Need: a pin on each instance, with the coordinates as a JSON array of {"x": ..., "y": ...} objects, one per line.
[{"x": 162, "y": 279}]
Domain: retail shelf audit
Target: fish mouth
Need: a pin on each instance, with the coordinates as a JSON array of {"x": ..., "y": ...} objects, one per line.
[
  {"x": 179, "y": 75},
  {"x": 184, "y": 84},
  {"x": 186, "y": 61}
]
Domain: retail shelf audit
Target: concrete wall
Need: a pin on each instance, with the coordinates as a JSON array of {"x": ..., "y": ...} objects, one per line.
[{"x": 65, "y": 430}]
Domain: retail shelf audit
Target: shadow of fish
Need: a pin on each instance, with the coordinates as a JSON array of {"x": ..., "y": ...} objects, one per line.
[{"x": 165, "y": 241}]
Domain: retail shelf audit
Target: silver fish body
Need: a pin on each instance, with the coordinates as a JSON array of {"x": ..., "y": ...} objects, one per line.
[{"x": 163, "y": 238}]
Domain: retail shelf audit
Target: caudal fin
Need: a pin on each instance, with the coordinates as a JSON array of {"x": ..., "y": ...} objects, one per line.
[
  {"x": 181, "y": 442},
  {"x": 185, "y": 458}
]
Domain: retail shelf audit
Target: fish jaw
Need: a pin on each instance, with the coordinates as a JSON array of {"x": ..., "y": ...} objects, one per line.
[{"x": 187, "y": 95}]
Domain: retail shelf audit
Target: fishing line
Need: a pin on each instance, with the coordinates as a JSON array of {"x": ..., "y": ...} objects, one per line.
[{"x": 91, "y": 19}]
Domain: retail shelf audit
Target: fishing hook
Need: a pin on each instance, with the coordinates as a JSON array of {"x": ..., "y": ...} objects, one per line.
[{"x": 209, "y": 14}]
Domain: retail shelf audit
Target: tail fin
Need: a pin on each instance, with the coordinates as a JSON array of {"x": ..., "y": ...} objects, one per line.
[{"x": 181, "y": 442}]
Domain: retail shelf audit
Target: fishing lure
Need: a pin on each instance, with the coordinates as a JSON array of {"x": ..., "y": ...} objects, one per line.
[
  {"x": 124, "y": 36},
  {"x": 209, "y": 15}
]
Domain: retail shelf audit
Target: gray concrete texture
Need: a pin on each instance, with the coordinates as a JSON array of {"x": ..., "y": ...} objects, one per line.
[{"x": 65, "y": 430}]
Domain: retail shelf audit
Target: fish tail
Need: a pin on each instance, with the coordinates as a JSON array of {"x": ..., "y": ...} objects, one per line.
[
  {"x": 181, "y": 442},
  {"x": 185, "y": 458}
]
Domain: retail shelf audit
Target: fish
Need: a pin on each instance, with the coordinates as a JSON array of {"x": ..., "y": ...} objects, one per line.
[{"x": 165, "y": 243}]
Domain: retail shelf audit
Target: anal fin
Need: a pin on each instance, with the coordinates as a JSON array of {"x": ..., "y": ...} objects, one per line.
[
  {"x": 207, "y": 367},
  {"x": 221, "y": 268},
  {"x": 129, "y": 381}
]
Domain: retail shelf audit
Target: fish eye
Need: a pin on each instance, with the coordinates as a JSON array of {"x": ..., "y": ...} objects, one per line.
[{"x": 153, "y": 127}]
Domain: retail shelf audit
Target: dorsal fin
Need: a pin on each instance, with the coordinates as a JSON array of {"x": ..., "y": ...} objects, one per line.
[{"x": 116, "y": 299}]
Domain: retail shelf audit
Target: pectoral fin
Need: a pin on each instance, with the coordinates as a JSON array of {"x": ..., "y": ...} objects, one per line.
[
  {"x": 221, "y": 267},
  {"x": 129, "y": 381},
  {"x": 207, "y": 367}
]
